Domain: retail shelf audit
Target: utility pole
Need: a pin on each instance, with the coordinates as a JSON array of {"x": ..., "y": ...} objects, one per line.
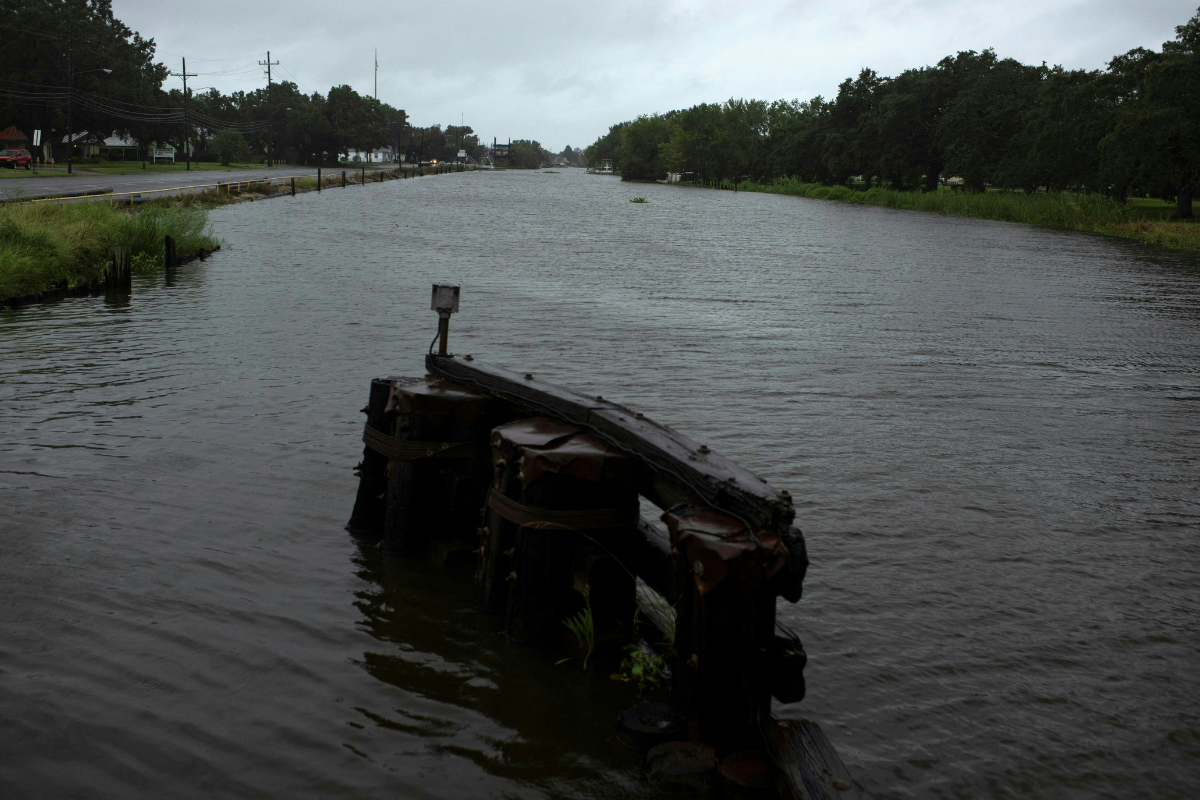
[
  {"x": 270, "y": 135},
  {"x": 377, "y": 75},
  {"x": 70, "y": 95},
  {"x": 187, "y": 120}
]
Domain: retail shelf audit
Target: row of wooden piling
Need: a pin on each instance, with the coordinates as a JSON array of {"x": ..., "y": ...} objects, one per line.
[{"x": 527, "y": 485}]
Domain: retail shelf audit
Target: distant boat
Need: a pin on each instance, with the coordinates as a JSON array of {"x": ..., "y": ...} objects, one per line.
[{"x": 605, "y": 168}]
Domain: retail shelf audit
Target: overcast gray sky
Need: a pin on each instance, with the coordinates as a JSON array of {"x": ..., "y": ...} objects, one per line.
[{"x": 562, "y": 73}]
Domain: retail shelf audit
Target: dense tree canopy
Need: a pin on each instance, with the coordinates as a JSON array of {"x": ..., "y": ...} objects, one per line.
[
  {"x": 1133, "y": 128},
  {"x": 42, "y": 37}
]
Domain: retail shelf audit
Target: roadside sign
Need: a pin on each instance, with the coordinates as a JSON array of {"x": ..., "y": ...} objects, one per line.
[
  {"x": 37, "y": 138},
  {"x": 462, "y": 153}
]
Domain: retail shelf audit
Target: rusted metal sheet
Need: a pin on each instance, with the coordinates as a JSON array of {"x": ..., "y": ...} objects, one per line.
[
  {"x": 438, "y": 400},
  {"x": 683, "y": 470},
  {"x": 548, "y": 445},
  {"x": 716, "y": 545}
]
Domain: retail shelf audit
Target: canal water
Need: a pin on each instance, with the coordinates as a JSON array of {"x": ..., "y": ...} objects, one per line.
[{"x": 991, "y": 432}]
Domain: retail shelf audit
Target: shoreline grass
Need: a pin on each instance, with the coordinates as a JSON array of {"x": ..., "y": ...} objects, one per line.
[
  {"x": 45, "y": 246},
  {"x": 1092, "y": 213}
]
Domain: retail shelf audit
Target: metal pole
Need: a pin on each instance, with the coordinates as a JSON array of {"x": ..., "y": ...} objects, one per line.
[
  {"x": 187, "y": 121},
  {"x": 270, "y": 135},
  {"x": 443, "y": 333},
  {"x": 70, "y": 95}
]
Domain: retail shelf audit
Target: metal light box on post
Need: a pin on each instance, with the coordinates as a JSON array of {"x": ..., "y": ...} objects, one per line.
[{"x": 445, "y": 302}]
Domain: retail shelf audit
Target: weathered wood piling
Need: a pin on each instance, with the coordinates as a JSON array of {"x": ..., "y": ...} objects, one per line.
[
  {"x": 539, "y": 487},
  {"x": 119, "y": 275}
]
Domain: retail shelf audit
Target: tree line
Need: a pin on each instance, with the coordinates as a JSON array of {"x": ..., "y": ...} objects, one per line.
[
  {"x": 117, "y": 87},
  {"x": 1132, "y": 129}
]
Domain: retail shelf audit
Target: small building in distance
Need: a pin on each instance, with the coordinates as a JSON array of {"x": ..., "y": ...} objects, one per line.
[
  {"x": 13, "y": 139},
  {"x": 120, "y": 148}
]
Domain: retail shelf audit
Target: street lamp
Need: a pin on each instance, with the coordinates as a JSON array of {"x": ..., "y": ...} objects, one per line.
[{"x": 71, "y": 103}]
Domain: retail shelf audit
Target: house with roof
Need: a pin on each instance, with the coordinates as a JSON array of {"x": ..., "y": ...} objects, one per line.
[
  {"x": 84, "y": 144},
  {"x": 120, "y": 148},
  {"x": 11, "y": 138}
]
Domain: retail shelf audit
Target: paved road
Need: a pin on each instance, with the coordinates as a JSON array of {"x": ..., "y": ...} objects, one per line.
[{"x": 139, "y": 182}]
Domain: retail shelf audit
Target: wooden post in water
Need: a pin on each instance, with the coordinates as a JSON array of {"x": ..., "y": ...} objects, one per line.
[
  {"x": 343, "y": 179},
  {"x": 725, "y": 625},
  {"x": 370, "y": 505},
  {"x": 170, "y": 260},
  {"x": 318, "y": 177},
  {"x": 119, "y": 274},
  {"x": 571, "y": 499},
  {"x": 439, "y": 470},
  {"x": 293, "y": 187}
]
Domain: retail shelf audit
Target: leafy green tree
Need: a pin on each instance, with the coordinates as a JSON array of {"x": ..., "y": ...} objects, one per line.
[
  {"x": 528, "y": 154},
  {"x": 34, "y": 51},
  {"x": 1156, "y": 136},
  {"x": 979, "y": 129},
  {"x": 640, "y": 142},
  {"x": 230, "y": 146},
  {"x": 607, "y": 146}
]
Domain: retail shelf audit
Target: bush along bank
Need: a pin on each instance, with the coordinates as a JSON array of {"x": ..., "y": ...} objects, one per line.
[
  {"x": 1089, "y": 212},
  {"x": 49, "y": 250}
]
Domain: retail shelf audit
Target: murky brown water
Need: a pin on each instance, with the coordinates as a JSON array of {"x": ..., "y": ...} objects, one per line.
[{"x": 991, "y": 432}]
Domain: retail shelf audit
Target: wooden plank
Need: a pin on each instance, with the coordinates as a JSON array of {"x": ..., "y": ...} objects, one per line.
[
  {"x": 682, "y": 469},
  {"x": 809, "y": 768}
]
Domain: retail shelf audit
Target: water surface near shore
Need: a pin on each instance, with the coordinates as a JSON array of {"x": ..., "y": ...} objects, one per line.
[{"x": 989, "y": 429}]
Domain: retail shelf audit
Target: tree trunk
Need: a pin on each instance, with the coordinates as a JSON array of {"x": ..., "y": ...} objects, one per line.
[{"x": 1183, "y": 201}]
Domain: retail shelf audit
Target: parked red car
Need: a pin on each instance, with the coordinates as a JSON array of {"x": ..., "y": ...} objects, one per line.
[{"x": 15, "y": 158}]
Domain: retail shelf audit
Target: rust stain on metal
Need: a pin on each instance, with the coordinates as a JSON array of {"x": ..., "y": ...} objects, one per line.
[{"x": 718, "y": 545}]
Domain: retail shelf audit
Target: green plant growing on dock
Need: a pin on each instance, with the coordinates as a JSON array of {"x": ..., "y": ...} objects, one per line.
[
  {"x": 583, "y": 624},
  {"x": 639, "y": 200},
  {"x": 642, "y": 666}
]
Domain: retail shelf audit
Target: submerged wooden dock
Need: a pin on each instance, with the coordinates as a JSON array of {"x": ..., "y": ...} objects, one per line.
[{"x": 540, "y": 488}]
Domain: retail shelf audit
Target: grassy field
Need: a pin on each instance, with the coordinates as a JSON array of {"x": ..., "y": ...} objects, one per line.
[
  {"x": 1141, "y": 220},
  {"x": 43, "y": 245}
]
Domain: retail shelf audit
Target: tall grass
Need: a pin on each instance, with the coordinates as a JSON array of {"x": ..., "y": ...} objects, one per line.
[
  {"x": 42, "y": 245},
  {"x": 1081, "y": 212}
]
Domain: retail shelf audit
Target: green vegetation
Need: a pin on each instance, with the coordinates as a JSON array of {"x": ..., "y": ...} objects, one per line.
[
  {"x": 583, "y": 625},
  {"x": 642, "y": 666},
  {"x": 44, "y": 245},
  {"x": 130, "y": 100},
  {"x": 229, "y": 146},
  {"x": 989, "y": 123},
  {"x": 1083, "y": 211},
  {"x": 527, "y": 154},
  {"x": 639, "y": 200}
]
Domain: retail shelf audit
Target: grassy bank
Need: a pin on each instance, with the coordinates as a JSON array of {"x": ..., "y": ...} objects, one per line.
[
  {"x": 1081, "y": 212},
  {"x": 42, "y": 245}
]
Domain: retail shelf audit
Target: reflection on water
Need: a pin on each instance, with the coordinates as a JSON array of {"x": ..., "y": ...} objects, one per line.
[{"x": 989, "y": 431}]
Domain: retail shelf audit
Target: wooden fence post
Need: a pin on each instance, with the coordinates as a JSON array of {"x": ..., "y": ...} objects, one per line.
[
  {"x": 343, "y": 179},
  {"x": 318, "y": 177},
  {"x": 119, "y": 268},
  {"x": 293, "y": 187}
]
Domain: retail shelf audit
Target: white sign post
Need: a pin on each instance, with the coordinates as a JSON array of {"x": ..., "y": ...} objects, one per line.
[{"x": 37, "y": 138}]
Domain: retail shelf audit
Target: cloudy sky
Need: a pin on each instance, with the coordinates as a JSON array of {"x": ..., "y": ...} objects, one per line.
[{"x": 562, "y": 73}]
